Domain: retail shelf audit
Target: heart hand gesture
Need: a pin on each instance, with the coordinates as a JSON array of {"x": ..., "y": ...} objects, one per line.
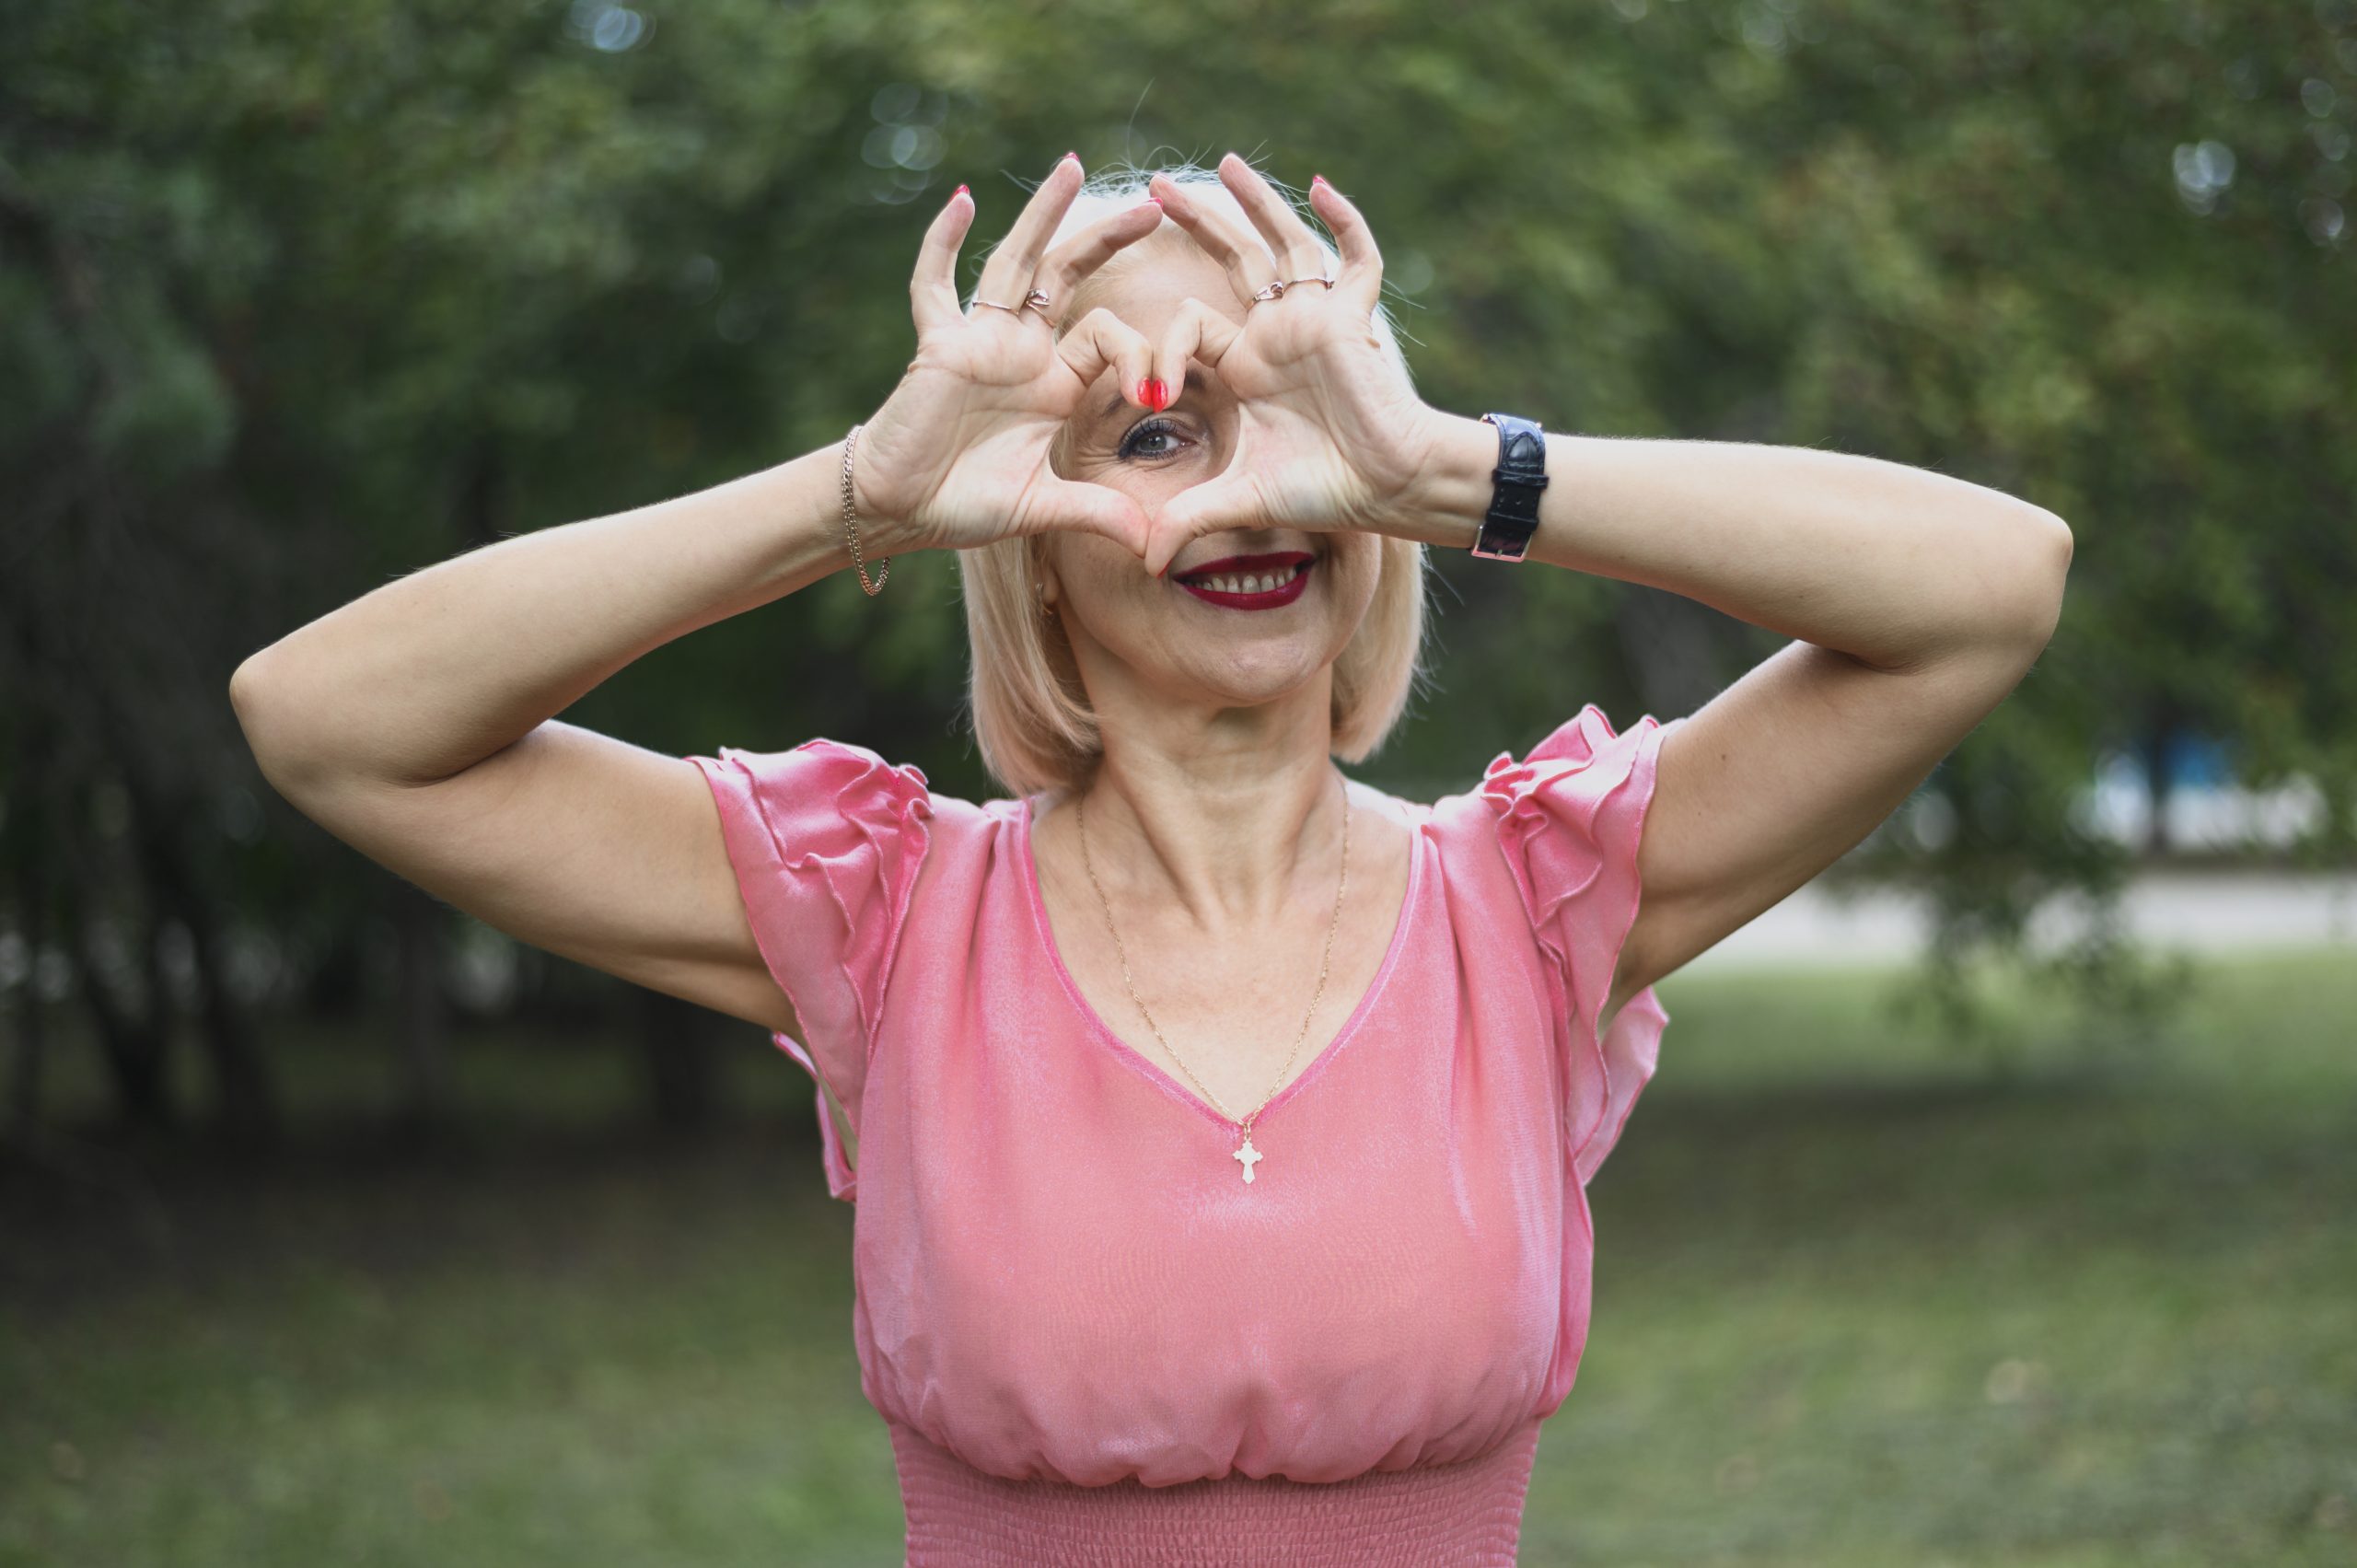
[
  {"x": 1331, "y": 435},
  {"x": 957, "y": 456}
]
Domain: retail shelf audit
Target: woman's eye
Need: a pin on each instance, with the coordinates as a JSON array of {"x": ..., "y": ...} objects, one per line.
[{"x": 1132, "y": 443}]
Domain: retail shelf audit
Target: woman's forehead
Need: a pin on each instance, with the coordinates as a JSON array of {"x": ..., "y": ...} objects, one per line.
[{"x": 1145, "y": 285}]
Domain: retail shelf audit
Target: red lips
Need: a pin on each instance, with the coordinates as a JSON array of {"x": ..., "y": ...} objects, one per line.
[
  {"x": 1195, "y": 579},
  {"x": 1283, "y": 560}
]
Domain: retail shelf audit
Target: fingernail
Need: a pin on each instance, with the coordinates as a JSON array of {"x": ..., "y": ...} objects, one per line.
[
  {"x": 1074, "y": 157},
  {"x": 958, "y": 193},
  {"x": 1154, "y": 394},
  {"x": 1318, "y": 179}
]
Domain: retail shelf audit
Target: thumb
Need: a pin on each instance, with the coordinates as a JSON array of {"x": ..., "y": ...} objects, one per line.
[
  {"x": 1097, "y": 509},
  {"x": 1228, "y": 502}
]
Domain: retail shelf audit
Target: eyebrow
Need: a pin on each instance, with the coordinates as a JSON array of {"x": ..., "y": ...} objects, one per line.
[{"x": 1195, "y": 380}]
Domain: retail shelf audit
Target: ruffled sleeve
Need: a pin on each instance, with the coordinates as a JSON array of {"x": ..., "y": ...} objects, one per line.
[
  {"x": 827, "y": 841},
  {"x": 1569, "y": 820}
]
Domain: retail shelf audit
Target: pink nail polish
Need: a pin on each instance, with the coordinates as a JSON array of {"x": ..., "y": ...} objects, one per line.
[
  {"x": 1318, "y": 179},
  {"x": 958, "y": 193}
]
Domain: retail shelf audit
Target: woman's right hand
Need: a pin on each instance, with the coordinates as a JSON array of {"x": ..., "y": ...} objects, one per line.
[{"x": 958, "y": 455}]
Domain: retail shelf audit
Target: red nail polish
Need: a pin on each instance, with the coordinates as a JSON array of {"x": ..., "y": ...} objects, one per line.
[
  {"x": 1154, "y": 393},
  {"x": 958, "y": 193}
]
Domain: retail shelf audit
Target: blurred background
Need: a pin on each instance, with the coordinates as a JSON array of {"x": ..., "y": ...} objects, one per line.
[{"x": 1991, "y": 1205}]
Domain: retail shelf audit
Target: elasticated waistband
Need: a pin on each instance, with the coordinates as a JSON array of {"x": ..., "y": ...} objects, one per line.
[{"x": 1460, "y": 1515}]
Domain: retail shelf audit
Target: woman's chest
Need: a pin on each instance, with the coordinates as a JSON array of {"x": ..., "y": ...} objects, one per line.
[{"x": 1054, "y": 1230}]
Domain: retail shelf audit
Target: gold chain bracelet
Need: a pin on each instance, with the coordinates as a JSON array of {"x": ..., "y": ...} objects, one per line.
[{"x": 851, "y": 525}]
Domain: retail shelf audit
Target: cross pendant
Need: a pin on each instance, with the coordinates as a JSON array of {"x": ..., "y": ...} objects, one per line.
[{"x": 1247, "y": 1156}]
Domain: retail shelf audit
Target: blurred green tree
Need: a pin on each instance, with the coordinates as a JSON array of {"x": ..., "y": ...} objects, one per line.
[{"x": 295, "y": 295}]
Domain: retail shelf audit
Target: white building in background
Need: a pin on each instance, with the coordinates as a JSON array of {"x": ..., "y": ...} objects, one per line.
[{"x": 2193, "y": 908}]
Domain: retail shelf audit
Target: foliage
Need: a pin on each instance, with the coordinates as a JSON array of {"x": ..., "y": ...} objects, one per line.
[{"x": 295, "y": 295}]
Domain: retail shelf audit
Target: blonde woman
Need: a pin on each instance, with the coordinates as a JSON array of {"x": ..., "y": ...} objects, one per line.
[{"x": 1222, "y": 1124}]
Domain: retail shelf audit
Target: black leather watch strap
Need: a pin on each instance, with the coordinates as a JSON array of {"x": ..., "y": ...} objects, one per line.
[{"x": 1520, "y": 475}]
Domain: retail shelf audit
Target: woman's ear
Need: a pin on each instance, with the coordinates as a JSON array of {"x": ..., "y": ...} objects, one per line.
[{"x": 1045, "y": 589}]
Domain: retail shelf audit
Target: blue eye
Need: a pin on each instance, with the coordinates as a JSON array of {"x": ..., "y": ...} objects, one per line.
[{"x": 1156, "y": 426}]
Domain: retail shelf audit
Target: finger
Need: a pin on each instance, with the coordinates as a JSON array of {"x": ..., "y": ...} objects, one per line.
[
  {"x": 933, "y": 287},
  {"x": 1197, "y": 333},
  {"x": 1101, "y": 341},
  {"x": 1061, "y": 271},
  {"x": 1362, "y": 277},
  {"x": 1290, "y": 240},
  {"x": 1247, "y": 262},
  {"x": 1228, "y": 501},
  {"x": 1094, "y": 508},
  {"x": 1007, "y": 276}
]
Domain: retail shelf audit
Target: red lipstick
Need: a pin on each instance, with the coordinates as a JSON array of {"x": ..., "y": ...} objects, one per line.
[{"x": 1232, "y": 581}]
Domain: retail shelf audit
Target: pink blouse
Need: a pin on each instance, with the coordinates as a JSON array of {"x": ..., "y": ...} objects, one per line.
[{"x": 1090, "y": 1339}]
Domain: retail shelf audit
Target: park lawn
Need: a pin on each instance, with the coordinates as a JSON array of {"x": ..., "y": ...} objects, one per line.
[{"x": 1857, "y": 1304}]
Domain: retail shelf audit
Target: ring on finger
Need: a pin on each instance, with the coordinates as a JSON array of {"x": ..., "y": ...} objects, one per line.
[
  {"x": 1320, "y": 277},
  {"x": 1273, "y": 289},
  {"x": 1036, "y": 300}
]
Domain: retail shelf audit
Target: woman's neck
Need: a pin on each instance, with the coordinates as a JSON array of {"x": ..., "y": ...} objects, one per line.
[{"x": 1221, "y": 810}]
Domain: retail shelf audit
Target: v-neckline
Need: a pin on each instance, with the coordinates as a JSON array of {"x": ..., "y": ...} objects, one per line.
[{"x": 1161, "y": 1077}]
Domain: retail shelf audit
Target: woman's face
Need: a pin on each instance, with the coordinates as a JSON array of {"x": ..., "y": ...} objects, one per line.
[{"x": 1177, "y": 638}]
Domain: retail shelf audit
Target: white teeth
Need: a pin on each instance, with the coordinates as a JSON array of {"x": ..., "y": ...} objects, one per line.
[{"x": 1250, "y": 582}]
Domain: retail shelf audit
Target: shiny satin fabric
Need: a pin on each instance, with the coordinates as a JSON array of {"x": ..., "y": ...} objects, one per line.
[{"x": 1061, "y": 1276}]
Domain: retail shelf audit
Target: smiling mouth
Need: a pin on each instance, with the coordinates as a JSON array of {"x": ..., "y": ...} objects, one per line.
[{"x": 1250, "y": 582}]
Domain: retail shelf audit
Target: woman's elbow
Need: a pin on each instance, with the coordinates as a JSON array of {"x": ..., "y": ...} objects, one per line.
[
  {"x": 2042, "y": 560},
  {"x": 271, "y": 725}
]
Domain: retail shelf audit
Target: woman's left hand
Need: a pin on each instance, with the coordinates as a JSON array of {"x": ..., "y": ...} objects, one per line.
[{"x": 1331, "y": 436}]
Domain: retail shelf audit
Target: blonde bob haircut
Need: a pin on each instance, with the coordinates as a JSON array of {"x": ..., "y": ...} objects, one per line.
[{"x": 1031, "y": 717}]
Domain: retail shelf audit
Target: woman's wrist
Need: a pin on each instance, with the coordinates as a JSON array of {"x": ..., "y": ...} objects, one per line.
[
  {"x": 808, "y": 496},
  {"x": 1444, "y": 504}
]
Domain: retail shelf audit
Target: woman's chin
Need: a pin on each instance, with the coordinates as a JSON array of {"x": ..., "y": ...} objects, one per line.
[{"x": 1249, "y": 674}]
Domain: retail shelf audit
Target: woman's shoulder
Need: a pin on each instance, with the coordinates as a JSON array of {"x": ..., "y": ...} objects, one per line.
[
  {"x": 848, "y": 779},
  {"x": 1553, "y": 815}
]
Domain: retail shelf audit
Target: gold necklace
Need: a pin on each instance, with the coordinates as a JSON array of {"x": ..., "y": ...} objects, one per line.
[{"x": 1246, "y": 1155}]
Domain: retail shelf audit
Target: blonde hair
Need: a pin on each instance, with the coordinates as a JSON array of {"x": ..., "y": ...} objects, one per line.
[{"x": 1031, "y": 716}]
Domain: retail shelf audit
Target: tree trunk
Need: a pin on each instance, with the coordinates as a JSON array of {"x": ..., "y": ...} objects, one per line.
[
  {"x": 424, "y": 1013},
  {"x": 2157, "y": 785},
  {"x": 680, "y": 1052}
]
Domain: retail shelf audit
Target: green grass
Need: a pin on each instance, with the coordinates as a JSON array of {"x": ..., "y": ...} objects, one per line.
[{"x": 1856, "y": 1303}]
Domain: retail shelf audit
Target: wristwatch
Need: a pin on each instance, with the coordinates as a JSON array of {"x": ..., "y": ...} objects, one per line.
[{"x": 1520, "y": 475}]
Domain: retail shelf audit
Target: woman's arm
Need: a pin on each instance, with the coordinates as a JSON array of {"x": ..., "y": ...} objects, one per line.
[
  {"x": 415, "y": 724},
  {"x": 1918, "y": 602}
]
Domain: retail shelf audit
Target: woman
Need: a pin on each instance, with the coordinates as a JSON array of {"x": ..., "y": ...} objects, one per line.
[{"x": 1223, "y": 1124}]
